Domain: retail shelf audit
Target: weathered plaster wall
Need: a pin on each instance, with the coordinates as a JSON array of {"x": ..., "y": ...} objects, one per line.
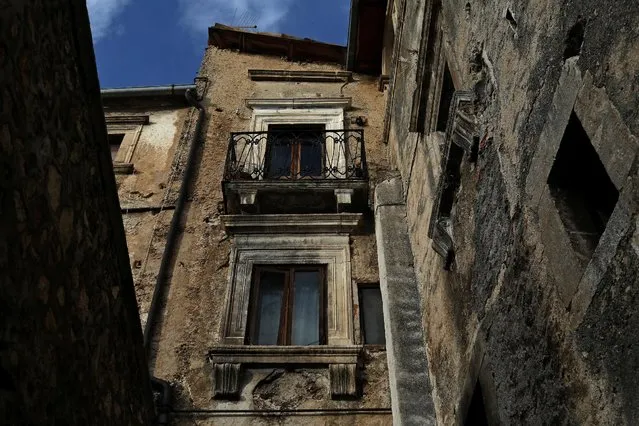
[
  {"x": 161, "y": 146},
  {"x": 191, "y": 323},
  {"x": 543, "y": 354},
  {"x": 71, "y": 345}
]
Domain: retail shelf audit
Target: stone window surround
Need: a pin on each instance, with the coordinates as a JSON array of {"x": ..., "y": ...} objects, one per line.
[
  {"x": 259, "y": 249},
  {"x": 266, "y": 111},
  {"x": 616, "y": 148},
  {"x": 327, "y": 111},
  {"x": 131, "y": 127},
  {"x": 340, "y": 353}
]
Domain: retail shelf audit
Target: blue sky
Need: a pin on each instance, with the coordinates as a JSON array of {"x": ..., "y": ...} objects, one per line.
[{"x": 156, "y": 42}]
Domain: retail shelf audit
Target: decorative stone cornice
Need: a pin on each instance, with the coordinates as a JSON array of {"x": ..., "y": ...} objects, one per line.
[
  {"x": 299, "y": 103},
  {"x": 462, "y": 124},
  {"x": 136, "y": 119},
  {"x": 292, "y": 223},
  {"x": 310, "y": 76},
  {"x": 343, "y": 362}
]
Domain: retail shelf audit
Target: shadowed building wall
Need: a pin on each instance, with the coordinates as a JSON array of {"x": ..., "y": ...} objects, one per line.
[{"x": 70, "y": 337}]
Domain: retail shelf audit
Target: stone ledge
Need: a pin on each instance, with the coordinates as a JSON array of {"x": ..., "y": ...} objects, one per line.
[
  {"x": 296, "y": 184},
  {"x": 137, "y": 119},
  {"x": 342, "y": 361},
  {"x": 299, "y": 103},
  {"x": 292, "y": 223},
  {"x": 310, "y": 76},
  {"x": 323, "y": 354}
]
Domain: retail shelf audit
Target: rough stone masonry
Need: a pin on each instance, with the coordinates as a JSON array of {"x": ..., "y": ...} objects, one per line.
[{"x": 70, "y": 338}]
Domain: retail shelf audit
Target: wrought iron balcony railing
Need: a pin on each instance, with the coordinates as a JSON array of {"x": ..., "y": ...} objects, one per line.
[{"x": 296, "y": 154}]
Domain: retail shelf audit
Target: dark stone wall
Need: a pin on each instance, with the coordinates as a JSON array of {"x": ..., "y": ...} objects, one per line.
[
  {"x": 70, "y": 337},
  {"x": 501, "y": 316}
]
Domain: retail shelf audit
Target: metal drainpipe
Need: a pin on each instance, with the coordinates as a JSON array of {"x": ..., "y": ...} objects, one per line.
[{"x": 163, "y": 386}]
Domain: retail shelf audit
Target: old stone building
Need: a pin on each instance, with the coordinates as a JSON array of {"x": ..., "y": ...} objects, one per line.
[
  {"x": 468, "y": 168},
  {"x": 513, "y": 126},
  {"x": 250, "y": 233},
  {"x": 436, "y": 224}
]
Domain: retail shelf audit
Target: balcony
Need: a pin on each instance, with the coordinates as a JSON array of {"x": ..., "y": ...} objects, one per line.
[{"x": 296, "y": 169}]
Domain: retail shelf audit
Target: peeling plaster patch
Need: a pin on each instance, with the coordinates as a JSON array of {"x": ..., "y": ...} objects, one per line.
[{"x": 160, "y": 132}]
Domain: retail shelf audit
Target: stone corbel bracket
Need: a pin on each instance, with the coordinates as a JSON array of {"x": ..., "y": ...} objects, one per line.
[
  {"x": 462, "y": 130},
  {"x": 343, "y": 363}
]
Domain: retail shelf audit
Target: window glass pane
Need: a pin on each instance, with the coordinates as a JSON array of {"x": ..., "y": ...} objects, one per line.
[
  {"x": 279, "y": 157},
  {"x": 306, "y": 309},
  {"x": 311, "y": 156},
  {"x": 372, "y": 315},
  {"x": 269, "y": 307},
  {"x": 298, "y": 143}
]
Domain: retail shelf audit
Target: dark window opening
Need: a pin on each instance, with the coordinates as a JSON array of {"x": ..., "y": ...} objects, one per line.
[
  {"x": 115, "y": 141},
  {"x": 446, "y": 97},
  {"x": 452, "y": 180},
  {"x": 476, "y": 415},
  {"x": 575, "y": 39},
  {"x": 371, "y": 314},
  {"x": 474, "y": 151},
  {"x": 294, "y": 150},
  {"x": 582, "y": 190},
  {"x": 288, "y": 306}
]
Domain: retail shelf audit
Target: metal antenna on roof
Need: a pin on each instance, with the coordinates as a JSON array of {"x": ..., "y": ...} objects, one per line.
[
  {"x": 246, "y": 21},
  {"x": 233, "y": 19}
]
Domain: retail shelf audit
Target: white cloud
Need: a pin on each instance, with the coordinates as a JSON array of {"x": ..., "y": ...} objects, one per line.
[
  {"x": 198, "y": 15},
  {"x": 102, "y": 14}
]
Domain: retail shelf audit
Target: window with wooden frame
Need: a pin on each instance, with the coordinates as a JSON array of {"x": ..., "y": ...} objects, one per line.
[
  {"x": 295, "y": 150},
  {"x": 371, "y": 314},
  {"x": 288, "y": 306}
]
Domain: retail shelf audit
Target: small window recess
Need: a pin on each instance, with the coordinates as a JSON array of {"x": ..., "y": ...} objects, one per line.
[
  {"x": 575, "y": 39},
  {"x": 371, "y": 315},
  {"x": 581, "y": 189},
  {"x": 445, "y": 99},
  {"x": 115, "y": 141}
]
